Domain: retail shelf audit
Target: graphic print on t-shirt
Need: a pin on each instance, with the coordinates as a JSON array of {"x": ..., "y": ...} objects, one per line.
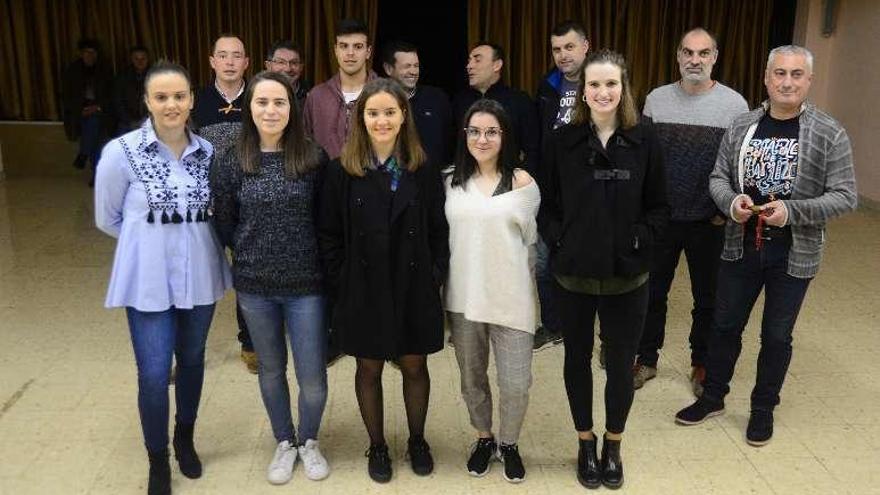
[
  {"x": 770, "y": 164},
  {"x": 568, "y": 94}
]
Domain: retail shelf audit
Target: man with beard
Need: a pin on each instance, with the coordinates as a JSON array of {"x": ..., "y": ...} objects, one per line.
[{"x": 690, "y": 115}]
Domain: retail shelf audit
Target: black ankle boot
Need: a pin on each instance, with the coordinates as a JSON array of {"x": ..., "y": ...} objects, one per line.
[
  {"x": 612, "y": 466},
  {"x": 185, "y": 451},
  {"x": 588, "y": 464},
  {"x": 160, "y": 473}
]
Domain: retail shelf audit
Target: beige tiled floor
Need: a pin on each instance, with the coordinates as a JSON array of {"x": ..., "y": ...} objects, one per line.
[{"x": 68, "y": 417}]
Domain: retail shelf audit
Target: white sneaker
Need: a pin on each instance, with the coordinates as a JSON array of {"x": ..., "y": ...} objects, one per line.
[
  {"x": 314, "y": 463},
  {"x": 281, "y": 469}
]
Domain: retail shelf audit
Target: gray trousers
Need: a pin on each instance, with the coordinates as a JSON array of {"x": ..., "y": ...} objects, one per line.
[{"x": 513, "y": 360}]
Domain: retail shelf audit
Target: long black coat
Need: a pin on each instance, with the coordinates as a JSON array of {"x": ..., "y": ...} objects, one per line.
[{"x": 385, "y": 255}]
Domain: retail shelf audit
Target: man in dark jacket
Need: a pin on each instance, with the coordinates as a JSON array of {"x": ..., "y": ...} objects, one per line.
[
  {"x": 556, "y": 102},
  {"x": 558, "y": 89},
  {"x": 430, "y": 106},
  {"x": 286, "y": 57},
  {"x": 87, "y": 94},
  {"x": 128, "y": 91},
  {"x": 485, "y": 63}
]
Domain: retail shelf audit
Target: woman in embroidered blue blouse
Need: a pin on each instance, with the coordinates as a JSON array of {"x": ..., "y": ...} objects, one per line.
[{"x": 152, "y": 194}]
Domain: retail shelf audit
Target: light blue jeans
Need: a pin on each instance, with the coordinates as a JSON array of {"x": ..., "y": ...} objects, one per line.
[{"x": 266, "y": 317}]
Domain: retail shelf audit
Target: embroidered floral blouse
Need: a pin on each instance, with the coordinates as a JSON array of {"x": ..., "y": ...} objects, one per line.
[{"x": 157, "y": 206}]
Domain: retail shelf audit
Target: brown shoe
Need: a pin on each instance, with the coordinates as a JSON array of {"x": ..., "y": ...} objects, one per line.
[
  {"x": 249, "y": 358},
  {"x": 698, "y": 376},
  {"x": 641, "y": 374}
]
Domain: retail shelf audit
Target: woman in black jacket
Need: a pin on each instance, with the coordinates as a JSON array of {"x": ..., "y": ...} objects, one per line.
[
  {"x": 383, "y": 238},
  {"x": 603, "y": 203}
]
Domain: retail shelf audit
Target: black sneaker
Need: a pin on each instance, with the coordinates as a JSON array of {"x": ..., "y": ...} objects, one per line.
[
  {"x": 514, "y": 471},
  {"x": 481, "y": 456},
  {"x": 545, "y": 337},
  {"x": 760, "y": 429},
  {"x": 419, "y": 453},
  {"x": 699, "y": 411},
  {"x": 379, "y": 463}
]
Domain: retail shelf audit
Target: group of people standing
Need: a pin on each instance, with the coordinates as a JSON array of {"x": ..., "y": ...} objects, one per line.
[{"x": 342, "y": 211}]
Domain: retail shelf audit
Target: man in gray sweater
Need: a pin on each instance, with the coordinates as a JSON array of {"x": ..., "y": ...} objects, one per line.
[
  {"x": 783, "y": 170},
  {"x": 690, "y": 116}
]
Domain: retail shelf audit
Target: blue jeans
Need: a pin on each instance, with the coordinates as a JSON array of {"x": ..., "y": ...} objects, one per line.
[
  {"x": 304, "y": 318},
  {"x": 155, "y": 337},
  {"x": 544, "y": 280},
  {"x": 739, "y": 284}
]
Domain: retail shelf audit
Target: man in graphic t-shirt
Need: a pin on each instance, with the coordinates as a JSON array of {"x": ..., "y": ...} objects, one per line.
[
  {"x": 783, "y": 170},
  {"x": 556, "y": 100}
]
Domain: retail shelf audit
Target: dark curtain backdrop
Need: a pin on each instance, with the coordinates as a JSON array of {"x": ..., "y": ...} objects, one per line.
[
  {"x": 646, "y": 32},
  {"x": 38, "y": 38}
]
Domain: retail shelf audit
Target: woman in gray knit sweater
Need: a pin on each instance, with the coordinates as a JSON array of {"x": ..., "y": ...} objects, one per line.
[{"x": 264, "y": 191}]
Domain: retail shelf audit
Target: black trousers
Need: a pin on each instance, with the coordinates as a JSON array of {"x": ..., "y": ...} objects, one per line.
[
  {"x": 702, "y": 243},
  {"x": 621, "y": 318}
]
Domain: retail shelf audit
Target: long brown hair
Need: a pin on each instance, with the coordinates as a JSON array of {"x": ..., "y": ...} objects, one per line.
[
  {"x": 357, "y": 154},
  {"x": 627, "y": 115},
  {"x": 300, "y": 154}
]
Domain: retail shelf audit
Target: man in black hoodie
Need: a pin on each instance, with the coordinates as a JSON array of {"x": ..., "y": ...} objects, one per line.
[
  {"x": 485, "y": 63},
  {"x": 556, "y": 101}
]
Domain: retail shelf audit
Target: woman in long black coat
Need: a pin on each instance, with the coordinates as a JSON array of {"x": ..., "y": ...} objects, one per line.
[{"x": 384, "y": 242}]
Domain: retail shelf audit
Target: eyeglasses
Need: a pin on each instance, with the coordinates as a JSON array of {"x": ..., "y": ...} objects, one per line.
[
  {"x": 490, "y": 133},
  {"x": 286, "y": 63}
]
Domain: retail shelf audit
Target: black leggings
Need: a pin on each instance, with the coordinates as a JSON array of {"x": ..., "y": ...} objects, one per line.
[
  {"x": 416, "y": 391},
  {"x": 621, "y": 319}
]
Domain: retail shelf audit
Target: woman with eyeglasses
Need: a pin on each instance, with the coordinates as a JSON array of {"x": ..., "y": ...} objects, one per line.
[
  {"x": 604, "y": 203},
  {"x": 385, "y": 245},
  {"x": 490, "y": 296},
  {"x": 169, "y": 270},
  {"x": 265, "y": 190}
]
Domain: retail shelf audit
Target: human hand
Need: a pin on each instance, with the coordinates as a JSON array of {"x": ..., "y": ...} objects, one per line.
[
  {"x": 742, "y": 208},
  {"x": 775, "y": 213}
]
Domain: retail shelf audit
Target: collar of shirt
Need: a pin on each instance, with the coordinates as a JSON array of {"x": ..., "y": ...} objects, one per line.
[
  {"x": 148, "y": 139},
  {"x": 225, "y": 96}
]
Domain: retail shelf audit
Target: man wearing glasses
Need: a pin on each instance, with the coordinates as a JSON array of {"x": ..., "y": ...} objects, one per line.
[{"x": 286, "y": 57}]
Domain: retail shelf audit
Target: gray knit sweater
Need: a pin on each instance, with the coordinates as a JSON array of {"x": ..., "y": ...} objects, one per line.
[
  {"x": 825, "y": 186},
  {"x": 268, "y": 219}
]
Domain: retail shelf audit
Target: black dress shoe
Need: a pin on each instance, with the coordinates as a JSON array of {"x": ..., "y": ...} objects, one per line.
[
  {"x": 611, "y": 465},
  {"x": 588, "y": 464}
]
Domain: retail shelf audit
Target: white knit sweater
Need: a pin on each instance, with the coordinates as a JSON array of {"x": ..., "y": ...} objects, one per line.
[{"x": 490, "y": 238}]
